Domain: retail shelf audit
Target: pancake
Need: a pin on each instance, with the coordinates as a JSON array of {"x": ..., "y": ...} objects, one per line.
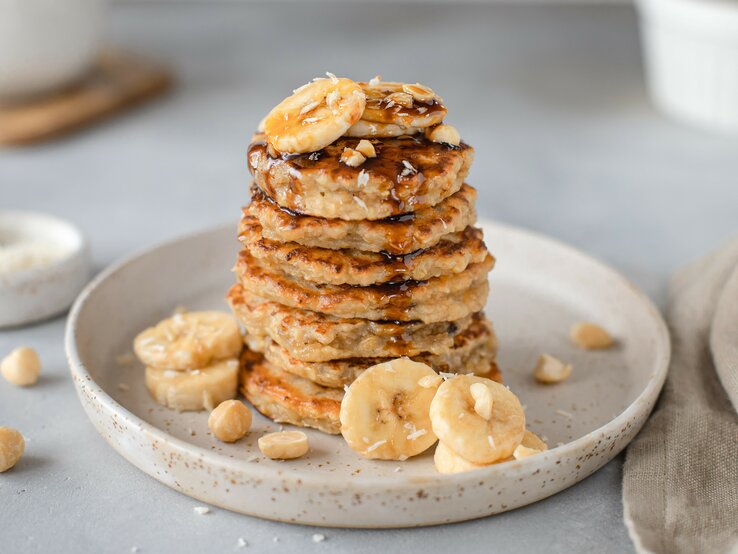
[
  {"x": 286, "y": 398},
  {"x": 314, "y": 337},
  {"x": 474, "y": 352},
  {"x": 451, "y": 254},
  {"x": 444, "y": 298},
  {"x": 408, "y": 174},
  {"x": 396, "y": 235}
]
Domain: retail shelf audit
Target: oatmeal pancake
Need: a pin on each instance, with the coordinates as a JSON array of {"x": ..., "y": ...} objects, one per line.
[
  {"x": 474, "y": 352},
  {"x": 395, "y": 235},
  {"x": 407, "y": 174},
  {"x": 444, "y": 298},
  {"x": 287, "y": 398},
  {"x": 451, "y": 254},
  {"x": 315, "y": 337}
]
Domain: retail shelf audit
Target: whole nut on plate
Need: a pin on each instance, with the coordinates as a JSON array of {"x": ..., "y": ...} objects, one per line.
[{"x": 230, "y": 421}]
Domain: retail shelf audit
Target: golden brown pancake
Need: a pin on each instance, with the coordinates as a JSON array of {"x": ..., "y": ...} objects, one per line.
[
  {"x": 408, "y": 174},
  {"x": 396, "y": 235},
  {"x": 287, "y": 398},
  {"x": 451, "y": 254},
  {"x": 474, "y": 352},
  {"x": 315, "y": 337},
  {"x": 444, "y": 298}
]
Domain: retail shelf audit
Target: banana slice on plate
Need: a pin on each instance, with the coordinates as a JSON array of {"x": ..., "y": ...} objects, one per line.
[
  {"x": 194, "y": 389},
  {"x": 448, "y": 461},
  {"x": 189, "y": 340},
  {"x": 404, "y": 104},
  {"x": 372, "y": 129},
  {"x": 477, "y": 418},
  {"x": 315, "y": 115},
  {"x": 384, "y": 413}
]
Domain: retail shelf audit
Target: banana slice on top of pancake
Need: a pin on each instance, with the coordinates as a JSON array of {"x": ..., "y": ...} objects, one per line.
[
  {"x": 402, "y": 104},
  {"x": 314, "y": 116},
  {"x": 384, "y": 413}
]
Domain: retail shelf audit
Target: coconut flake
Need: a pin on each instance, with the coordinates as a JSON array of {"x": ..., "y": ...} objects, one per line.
[
  {"x": 376, "y": 445},
  {"x": 416, "y": 434}
]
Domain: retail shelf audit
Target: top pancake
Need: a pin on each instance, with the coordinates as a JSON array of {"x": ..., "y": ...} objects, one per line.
[
  {"x": 395, "y": 235},
  {"x": 407, "y": 174}
]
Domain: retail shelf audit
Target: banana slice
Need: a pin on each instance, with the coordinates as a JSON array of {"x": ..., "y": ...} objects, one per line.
[
  {"x": 478, "y": 439},
  {"x": 189, "y": 340},
  {"x": 448, "y": 461},
  {"x": 194, "y": 389},
  {"x": 284, "y": 445},
  {"x": 371, "y": 129},
  {"x": 533, "y": 441},
  {"x": 315, "y": 115},
  {"x": 384, "y": 413},
  {"x": 402, "y": 104}
]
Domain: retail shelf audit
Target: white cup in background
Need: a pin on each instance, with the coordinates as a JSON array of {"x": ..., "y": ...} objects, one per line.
[
  {"x": 691, "y": 56},
  {"x": 46, "y": 44}
]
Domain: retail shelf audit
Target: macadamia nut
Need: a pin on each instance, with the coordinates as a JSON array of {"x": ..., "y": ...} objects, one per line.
[
  {"x": 21, "y": 367},
  {"x": 12, "y": 446},
  {"x": 230, "y": 421}
]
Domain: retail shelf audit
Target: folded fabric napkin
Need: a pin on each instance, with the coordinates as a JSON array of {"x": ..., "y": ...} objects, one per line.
[{"x": 680, "y": 480}]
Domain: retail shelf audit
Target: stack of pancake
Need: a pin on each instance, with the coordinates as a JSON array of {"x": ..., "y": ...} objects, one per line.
[{"x": 345, "y": 265}]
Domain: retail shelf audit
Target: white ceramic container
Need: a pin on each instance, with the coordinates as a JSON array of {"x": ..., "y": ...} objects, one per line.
[
  {"x": 46, "y": 44},
  {"x": 539, "y": 288},
  {"x": 691, "y": 58},
  {"x": 37, "y": 293}
]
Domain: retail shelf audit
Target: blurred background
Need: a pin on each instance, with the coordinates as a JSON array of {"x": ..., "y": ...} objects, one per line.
[{"x": 553, "y": 97}]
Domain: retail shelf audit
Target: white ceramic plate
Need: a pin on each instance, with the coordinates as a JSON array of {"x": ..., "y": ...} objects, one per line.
[{"x": 539, "y": 288}]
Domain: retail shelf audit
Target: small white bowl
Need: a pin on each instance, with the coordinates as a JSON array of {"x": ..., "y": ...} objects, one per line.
[
  {"x": 36, "y": 293},
  {"x": 691, "y": 56},
  {"x": 46, "y": 44}
]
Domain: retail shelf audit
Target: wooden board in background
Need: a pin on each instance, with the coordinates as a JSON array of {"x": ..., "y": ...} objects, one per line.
[{"x": 118, "y": 81}]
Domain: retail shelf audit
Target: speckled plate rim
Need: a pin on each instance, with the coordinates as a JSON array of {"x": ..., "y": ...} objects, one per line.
[{"x": 638, "y": 410}]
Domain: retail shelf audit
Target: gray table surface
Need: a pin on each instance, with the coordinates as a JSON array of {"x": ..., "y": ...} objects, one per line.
[{"x": 567, "y": 143}]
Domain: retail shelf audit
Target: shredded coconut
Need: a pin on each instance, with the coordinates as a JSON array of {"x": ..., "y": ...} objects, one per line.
[
  {"x": 201, "y": 510},
  {"x": 318, "y": 537},
  {"x": 310, "y": 106},
  {"x": 362, "y": 179},
  {"x": 416, "y": 434},
  {"x": 361, "y": 203},
  {"x": 376, "y": 445},
  {"x": 565, "y": 414}
]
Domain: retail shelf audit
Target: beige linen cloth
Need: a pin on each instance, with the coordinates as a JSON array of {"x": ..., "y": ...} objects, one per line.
[{"x": 680, "y": 480}]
